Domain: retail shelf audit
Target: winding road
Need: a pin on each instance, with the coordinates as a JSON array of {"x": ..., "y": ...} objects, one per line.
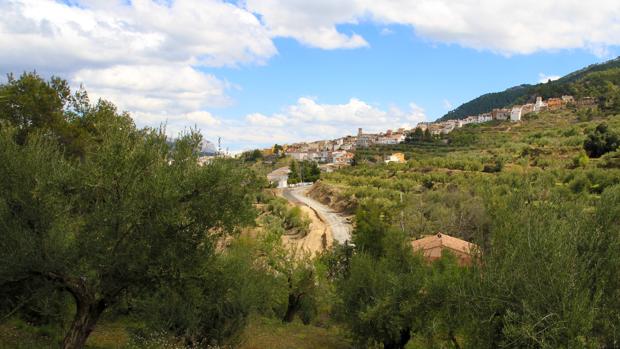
[{"x": 340, "y": 228}]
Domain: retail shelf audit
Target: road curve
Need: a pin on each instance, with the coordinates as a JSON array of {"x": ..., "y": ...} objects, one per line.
[{"x": 341, "y": 229}]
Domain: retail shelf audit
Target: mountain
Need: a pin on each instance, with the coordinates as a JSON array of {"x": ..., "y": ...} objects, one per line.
[
  {"x": 207, "y": 148},
  {"x": 597, "y": 80}
]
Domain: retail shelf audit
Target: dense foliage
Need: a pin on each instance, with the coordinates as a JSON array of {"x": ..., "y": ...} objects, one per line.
[
  {"x": 103, "y": 222},
  {"x": 110, "y": 216},
  {"x": 303, "y": 171}
]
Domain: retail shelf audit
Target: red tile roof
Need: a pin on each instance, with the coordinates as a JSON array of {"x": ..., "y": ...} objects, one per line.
[{"x": 432, "y": 247}]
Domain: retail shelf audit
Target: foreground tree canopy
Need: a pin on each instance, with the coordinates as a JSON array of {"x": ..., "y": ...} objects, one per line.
[{"x": 101, "y": 209}]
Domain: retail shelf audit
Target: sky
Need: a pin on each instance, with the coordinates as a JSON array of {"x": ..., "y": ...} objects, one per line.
[{"x": 259, "y": 72}]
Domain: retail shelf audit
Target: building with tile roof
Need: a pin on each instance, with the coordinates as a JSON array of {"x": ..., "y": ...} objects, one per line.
[{"x": 433, "y": 246}]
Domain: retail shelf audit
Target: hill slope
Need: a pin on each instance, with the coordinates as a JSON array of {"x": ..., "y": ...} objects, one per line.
[{"x": 576, "y": 83}]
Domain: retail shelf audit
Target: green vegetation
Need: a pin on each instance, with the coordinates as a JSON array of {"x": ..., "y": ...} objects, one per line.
[
  {"x": 121, "y": 225},
  {"x": 115, "y": 237},
  {"x": 601, "y": 141},
  {"x": 303, "y": 172},
  {"x": 533, "y": 201}
]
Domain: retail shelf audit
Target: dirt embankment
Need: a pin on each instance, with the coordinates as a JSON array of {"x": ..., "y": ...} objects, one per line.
[
  {"x": 333, "y": 197},
  {"x": 319, "y": 236}
]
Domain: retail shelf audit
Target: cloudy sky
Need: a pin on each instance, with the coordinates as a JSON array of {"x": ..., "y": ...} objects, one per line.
[{"x": 257, "y": 72}]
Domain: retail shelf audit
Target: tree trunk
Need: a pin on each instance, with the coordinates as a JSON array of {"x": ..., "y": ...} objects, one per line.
[
  {"x": 454, "y": 341},
  {"x": 400, "y": 343},
  {"x": 84, "y": 322},
  {"x": 292, "y": 307}
]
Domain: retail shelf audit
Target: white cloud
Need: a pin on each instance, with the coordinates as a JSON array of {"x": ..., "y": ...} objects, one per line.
[
  {"x": 52, "y": 35},
  {"x": 147, "y": 57},
  {"x": 506, "y": 27},
  {"x": 310, "y": 22},
  {"x": 543, "y": 78},
  {"x": 305, "y": 120},
  {"x": 308, "y": 120},
  {"x": 155, "y": 88},
  {"x": 447, "y": 105},
  {"x": 151, "y": 57}
]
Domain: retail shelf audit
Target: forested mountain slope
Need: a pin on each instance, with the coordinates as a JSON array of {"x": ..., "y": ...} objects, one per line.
[{"x": 597, "y": 80}]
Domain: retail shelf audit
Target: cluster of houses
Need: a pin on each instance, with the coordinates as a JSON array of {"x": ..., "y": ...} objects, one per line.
[
  {"x": 513, "y": 114},
  {"x": 340, "y": 151}
]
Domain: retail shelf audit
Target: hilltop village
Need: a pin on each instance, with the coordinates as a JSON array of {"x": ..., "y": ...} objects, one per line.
[{"x": 341, "y": 151}]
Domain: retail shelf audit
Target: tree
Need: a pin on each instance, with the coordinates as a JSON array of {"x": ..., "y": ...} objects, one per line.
[
  {"x": 379, "y": 289},
  {"x": 133, "y": 214},
  {"x": 379, "y": 299},
  {"x": 252, "y": 155},
  {"x": 310, "y": 171},
  {"x": 415, "y": 137},
  {"x": 33, "y": 104},
  {"x": 294, "y": 175},
  {"x": 601, "y": 141},
  {"x": 371, "y": 229},
  {"x": 552, "y": 243},
  {"x": 213, "y": 309},
  {"x": 295, "y": 268},
  {"x": 278, "y": 150},
  {"x": 428, "y": 136}
]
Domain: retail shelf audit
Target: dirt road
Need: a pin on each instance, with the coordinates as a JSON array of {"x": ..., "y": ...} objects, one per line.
[{"x": 340, "y": 228}]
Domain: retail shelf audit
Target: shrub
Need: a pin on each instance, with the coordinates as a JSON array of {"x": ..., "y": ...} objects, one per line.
[{"x": 601, "y": 141}]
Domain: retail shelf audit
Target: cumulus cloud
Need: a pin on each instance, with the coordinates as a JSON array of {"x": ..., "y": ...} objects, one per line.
[
  {"x": 148, "y": 57},
  {"x": 308, "y": 120},
  {"x": 310, "y": 22},
  {"x": 155, "y": 88},
  {"x": 154, "y": 58},
  {"x": 54, "y": 35},
  {"x": 305, "y": 120},
  {"x": 506, "y": 27}
]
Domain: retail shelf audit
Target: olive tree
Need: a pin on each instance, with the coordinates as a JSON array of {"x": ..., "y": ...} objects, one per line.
[{"x": 133, "y": 213}]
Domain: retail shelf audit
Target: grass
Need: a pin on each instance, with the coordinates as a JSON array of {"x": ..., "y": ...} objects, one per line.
[
  {"x": 270, "y": 333},
  {"x": 260, "y": 333}
]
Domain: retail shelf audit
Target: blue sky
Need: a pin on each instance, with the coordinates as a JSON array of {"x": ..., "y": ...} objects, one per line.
[
  {"x": 258, "y": 72},
  {"x": 395, "y": 69}
]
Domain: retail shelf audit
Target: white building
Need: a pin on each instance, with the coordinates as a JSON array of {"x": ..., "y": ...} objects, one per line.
[
  {"x": 279, "y": 177},
  {"x": 540, "y": 105},
  {"x": 515, "y": 114}
]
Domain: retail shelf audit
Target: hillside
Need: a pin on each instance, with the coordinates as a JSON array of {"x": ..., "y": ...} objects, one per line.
[
  {"x": 442, "y": 183},
  {"x": 581, "y": 83}
]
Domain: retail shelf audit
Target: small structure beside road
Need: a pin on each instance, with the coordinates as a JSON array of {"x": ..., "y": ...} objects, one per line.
[
  {"x": 279, "y": 177},
  {"x": 433, "y": 246},
  {"x": 398, "y": 158}
]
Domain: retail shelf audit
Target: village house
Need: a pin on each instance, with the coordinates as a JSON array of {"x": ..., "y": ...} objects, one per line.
[
  {"x": 554, "y": 103},
  {"x": 568, "y": 100},
  {"x": 432, "y": 247},
  {"x": 342, "y": 157},
  {"x": 500, "y": 114},
  {"x": 391, "y": 138},
  {"x": 539, "y": 105},
  {"x": 586, "y": 102},
  {"x": 279, "y": 177},
  {"x": 527, "y": 108},
  {"x": 398, "y": 158},
  {"x": 515, "y": 114},
  {"x": 486, "y": 117},
  {"x": 365, "y": 139}
]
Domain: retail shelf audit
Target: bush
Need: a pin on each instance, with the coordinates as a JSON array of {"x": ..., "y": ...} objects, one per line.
[{"x": 601, "y": 141}]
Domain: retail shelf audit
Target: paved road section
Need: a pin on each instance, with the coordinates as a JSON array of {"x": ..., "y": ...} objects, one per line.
[{"x": 341, "y": 229}]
